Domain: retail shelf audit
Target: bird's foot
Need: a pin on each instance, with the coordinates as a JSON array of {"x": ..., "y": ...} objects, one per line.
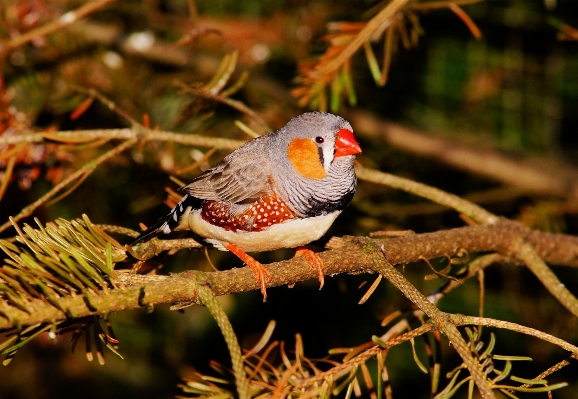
[
  {"x": 262, "y": 274},
  {"x": 314, "y": 261}
]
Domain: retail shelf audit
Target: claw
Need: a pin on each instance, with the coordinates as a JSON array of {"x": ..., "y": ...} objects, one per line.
[
  {"x": 314, "y": 261},
  {"x": 261, "y": 272}
]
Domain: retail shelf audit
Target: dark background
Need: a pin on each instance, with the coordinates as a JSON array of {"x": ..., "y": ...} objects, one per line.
[{"x": 515, "y": 90}]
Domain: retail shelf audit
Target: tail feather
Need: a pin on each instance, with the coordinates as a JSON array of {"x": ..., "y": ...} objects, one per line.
[{"x": 171, "y": 221}]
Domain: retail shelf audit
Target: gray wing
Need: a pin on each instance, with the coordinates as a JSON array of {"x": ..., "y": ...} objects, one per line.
[{"x": 242, "y": 176}]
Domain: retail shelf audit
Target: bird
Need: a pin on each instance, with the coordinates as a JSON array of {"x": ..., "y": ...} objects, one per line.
[{"x": 280, "y": 190}]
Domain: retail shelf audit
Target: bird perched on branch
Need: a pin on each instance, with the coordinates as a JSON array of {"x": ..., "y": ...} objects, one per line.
[{"x": 280, "y": 190}]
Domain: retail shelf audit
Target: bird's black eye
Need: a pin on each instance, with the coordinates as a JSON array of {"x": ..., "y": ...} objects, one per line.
[{"x": 319, "y": 140}]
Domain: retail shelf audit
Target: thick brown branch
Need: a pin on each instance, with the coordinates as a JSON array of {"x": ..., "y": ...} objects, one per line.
[{"x": 347, "y": 255}]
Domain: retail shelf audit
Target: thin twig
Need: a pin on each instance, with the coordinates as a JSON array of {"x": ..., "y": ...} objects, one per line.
[
  {"x": 343, "y": 368},
  {"x": 553, "y": 369},
  {"x": 118, "y": 229},
  {"x": 437, "y": 317},
  {"x": 125, "y": 134},
  {"x": 462, "y": 320},
  {"x": 7, "y": 175},
  {"x": 476, "y": 266},
  {"x": 472, "y": 210},
  {"x": 64, "y": 20},
  {"x": 87, "y": 168},
  {"x": 210, "y": 301},
  {"x": 524, "y": 251},
  {"x": 527, "y": 254},
  {"x": 238, "y": 105},
  {"x": 91, "y": 92},
  {"x": 363, "y": 36},
  {"x": 551, "y": 178},
  {"x": 432, "y": 5}
]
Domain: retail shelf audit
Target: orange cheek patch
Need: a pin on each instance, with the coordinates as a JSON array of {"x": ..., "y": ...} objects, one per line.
[{"x": 305, "y": 159}]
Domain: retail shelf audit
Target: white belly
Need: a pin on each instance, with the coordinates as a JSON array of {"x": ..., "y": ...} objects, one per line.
[{"x": 289, "y": 234}]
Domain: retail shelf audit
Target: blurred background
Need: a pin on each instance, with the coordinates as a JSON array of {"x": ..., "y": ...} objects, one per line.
[{"x": 490, "y": 118}]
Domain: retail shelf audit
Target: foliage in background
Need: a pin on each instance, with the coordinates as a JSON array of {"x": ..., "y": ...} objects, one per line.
[{"x": 515, "y": 89}]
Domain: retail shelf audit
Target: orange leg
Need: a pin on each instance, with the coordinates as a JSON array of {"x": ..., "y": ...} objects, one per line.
[
  {"x": 314, "y": 261},
  {"x": 260, "y": 271}
]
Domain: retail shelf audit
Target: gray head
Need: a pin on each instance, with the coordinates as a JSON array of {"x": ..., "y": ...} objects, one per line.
[{"x": 312, "y": 141}]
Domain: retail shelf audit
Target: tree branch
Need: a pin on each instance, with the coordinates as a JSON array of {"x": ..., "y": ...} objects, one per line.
[
  {"x": 64, "y": 20},
  {"x": 543, "y": 176},
  {"x": 438, "y": 318},
  {"x": 142, "y": 133},
  {"x": 441, "y": 197},
  {"x": 80, "y": 173},
  {"x": 347, "y": 255}
]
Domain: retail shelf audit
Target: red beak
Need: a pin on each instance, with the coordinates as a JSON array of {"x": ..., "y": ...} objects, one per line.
[{"x": 345, "y": 144}]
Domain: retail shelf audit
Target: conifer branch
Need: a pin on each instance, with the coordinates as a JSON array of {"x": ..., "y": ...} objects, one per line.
[{"x": 344, "y": 256}]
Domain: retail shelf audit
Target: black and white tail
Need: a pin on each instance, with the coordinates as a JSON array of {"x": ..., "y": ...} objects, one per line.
[{"x": 171, "y": 221}]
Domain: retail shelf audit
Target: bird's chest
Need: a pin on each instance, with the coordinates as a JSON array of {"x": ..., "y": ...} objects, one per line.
[{"x": 267, "y": 211}]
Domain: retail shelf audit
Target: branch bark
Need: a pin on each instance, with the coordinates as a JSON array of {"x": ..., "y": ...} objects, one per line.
[
  {"x": 141, "y": 133},
  {"x": 346, "y": 255}
]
